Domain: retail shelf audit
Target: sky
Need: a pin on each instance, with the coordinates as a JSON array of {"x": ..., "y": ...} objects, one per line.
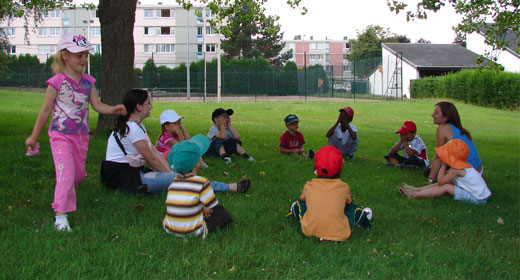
[{"x": 335, "y": 19}]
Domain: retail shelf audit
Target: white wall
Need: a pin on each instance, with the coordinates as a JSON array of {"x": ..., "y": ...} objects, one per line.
[
  {"x": 475, "y": 42},
  {"x": 389, "y": 67}
]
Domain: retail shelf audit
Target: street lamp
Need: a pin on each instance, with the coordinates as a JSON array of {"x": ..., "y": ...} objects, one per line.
[{"x": 88, "y": 22}]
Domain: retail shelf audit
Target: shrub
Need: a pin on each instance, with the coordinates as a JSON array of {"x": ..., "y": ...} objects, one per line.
[{"x": 483, "y": 87}]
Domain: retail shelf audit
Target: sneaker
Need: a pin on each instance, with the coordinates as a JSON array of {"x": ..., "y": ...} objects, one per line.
[
  {"x": 407, "y": 166},
  {"x": 227, "y": 159},
  {"x": 388, "y": 163},
  {"x": 311, "y": 154},
  {"x": 364, "y": 218},
  {"x": 243, "y": 186},
  {"x": 250, "y": 158},
  {"x": 62, "y": 225},
  {"x": 204, "y": 165}
]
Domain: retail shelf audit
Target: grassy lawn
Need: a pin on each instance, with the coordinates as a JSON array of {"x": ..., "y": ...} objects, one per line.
[{"x": 120, "y": 236}]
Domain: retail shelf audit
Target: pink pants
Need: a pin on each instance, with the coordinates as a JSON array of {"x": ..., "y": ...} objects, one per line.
[{"x": 69, "y": 152}]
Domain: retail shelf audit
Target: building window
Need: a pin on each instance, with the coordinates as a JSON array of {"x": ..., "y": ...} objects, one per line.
[
  {"x": 66, "y": 30},
  {"x": 55, "y": 31},
  {"x": 165, "y": 48},
  {"x": 211, "y": 48},
  {"x": 97, "y": 49},
  {"x": 319, "y": 46},
  {"x": 167, "y": 13},
  {"x": 149, "y": 48},
  {"x": 166, "y": 30},
  {"x": 312, "y": 46},
  {"x": 199, "y": 31},
  {"x": 347, "y": 68},
  {"x": 66, "y": 14},
  {"x": 46, "y": 49},
  {"x": 55, "y": 14},
  {"x": 43, "y": 31},
  {"x": 210, "y": 30},
  {"x": 209, "y": 13},
  {"x": 8, "y": 31},
  {"x": 199, "y": 48},
  {"x": 147, "y": 31},
  {"x": 95, "y": 31},
  {"x": 11, "y": 50},
  {"x": 149, "y": 13},
  {"x": 292, "y": 46},
  {"x": 312, "y": 57}
]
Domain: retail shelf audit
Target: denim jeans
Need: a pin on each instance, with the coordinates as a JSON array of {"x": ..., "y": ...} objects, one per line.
[{"x": 157, "y": 182}]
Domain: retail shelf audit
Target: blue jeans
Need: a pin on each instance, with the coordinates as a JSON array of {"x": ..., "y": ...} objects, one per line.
[{"x": 157, "y": 182}]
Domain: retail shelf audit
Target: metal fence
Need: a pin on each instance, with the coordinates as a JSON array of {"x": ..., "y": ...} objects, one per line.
[{"x": 329, "y": 81}]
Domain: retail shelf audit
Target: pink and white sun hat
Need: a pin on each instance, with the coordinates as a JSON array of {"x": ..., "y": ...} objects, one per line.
[{"x": 74, "y": 43}]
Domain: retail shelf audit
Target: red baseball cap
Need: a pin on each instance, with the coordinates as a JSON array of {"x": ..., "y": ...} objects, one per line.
[
  {"x": 348, "y": 110},
  {"x": 407, "y": 127},
  {"x": 328, "y": 161}
]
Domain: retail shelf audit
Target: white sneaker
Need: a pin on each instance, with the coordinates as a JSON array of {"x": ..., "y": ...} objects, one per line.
[
  {"x": 251, "y": 159},
  {"x": 227, "y": 159},
  {"x": 204, "y": 165},
  {"x": 62, "y": 225}
]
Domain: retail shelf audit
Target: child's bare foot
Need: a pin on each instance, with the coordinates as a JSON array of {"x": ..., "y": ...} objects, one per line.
[{"x": 405, "y": 193}]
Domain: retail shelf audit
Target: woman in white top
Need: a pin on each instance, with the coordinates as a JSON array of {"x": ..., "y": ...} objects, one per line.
[{"x": 129, "y": 148}]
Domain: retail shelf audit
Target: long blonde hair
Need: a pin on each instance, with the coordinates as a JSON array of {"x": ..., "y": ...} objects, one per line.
[{"x": 58, "y": 64}]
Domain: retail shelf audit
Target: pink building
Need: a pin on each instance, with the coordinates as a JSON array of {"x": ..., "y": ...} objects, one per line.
[{"x": 331, "y": 54}]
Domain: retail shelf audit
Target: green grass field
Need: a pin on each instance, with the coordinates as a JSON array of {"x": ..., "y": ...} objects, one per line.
[{"x": 119, "y": 236}]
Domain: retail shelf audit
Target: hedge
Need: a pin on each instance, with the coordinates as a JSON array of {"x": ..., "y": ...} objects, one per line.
[{"x": 484, "y": 87}]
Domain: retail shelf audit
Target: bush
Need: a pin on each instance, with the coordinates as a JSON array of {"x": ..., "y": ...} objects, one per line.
[{"x": 483, "y": 87}]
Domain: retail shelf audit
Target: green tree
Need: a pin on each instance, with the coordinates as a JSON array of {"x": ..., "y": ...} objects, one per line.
[
  {"x": 251, "y": 34},
  {"x": 365, "y": 50},
  {"x": 505, "y": 15}
]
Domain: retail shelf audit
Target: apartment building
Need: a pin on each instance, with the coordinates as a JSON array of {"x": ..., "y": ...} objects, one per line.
[
  {"x": 168, "y": 34},
  {"x": 331, "y": 54}
]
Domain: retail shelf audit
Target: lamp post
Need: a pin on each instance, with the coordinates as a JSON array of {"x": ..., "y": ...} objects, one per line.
[{"x": 88, "y": 22}]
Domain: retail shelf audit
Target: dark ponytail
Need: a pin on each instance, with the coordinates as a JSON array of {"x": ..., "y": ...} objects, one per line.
[{"x": 131, "y": 99}]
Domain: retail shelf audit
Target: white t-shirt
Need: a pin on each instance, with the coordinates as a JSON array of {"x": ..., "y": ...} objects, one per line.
[
  {"x": 135, "y": 133},
  {"x": 214, "y": 130},
  {"x": 344, "y": 137},
  {"x": 473, "y": 183},
  {"x": 417, "y": 144}
]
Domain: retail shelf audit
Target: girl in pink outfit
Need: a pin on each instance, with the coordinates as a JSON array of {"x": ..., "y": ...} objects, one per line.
[{"x": 68, "y": 94}]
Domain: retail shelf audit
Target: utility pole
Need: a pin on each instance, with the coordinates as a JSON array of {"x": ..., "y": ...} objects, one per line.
[{"x": 188, "y": 62}]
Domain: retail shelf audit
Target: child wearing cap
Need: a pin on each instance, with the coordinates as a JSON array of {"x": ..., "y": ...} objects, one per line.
[
  {"x": 191, "y": 205},
  {"x": 69, "y": 93},
  {"x": 173, "y": 131},
  {"x": 225, "y": 140},
  {"x": 325, "y": 209},
  {"x": 343, "y": 135},
  {"x": 413, "y": 147},
  {"x": 291, "y": 141},
  {"x": 456, "y": 177}
]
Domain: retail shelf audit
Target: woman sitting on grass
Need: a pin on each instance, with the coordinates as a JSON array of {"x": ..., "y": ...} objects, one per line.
[
  {"x": 129, "y": 148},
  {"x": 456, "y": 177},
  {"x": 449, "y": 127}
]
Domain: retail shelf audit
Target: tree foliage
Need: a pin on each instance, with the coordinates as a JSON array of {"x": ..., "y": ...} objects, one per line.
[
  {"x": 251, "y": 34},
  {"x": 505, "y": 15},
  {"x": 368, "y": 42}
]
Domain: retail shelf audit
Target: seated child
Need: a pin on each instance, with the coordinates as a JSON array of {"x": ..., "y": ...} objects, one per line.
[
  {"x": 325, "y": 208},
  {"x": 172, "y": 133},
  {"x": 225, "y": 140},
  {"x": 456, "y": 177},
  {"x": 191, "y": 205},
  {"x": 240, "y": 187},
  {"x": 291, "y": 141},
  {"x": 414, "y": 149},
  {"x": 343, "y": 135}
]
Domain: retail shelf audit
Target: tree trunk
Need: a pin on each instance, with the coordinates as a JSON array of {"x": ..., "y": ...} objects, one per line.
[{"x": 117, "y": 19}]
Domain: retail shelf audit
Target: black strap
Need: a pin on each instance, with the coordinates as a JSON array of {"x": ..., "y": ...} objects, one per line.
[{"x": 119, "y": 143}]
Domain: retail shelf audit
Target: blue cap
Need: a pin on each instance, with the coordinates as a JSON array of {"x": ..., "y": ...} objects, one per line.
[{"x": 184, "y": 155}]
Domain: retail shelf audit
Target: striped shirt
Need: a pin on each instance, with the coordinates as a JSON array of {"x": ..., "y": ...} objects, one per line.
[{"x": 187, "y": 196}]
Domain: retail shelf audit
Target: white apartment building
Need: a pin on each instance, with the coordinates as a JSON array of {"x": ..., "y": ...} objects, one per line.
[{"x": 168, "y": 34}]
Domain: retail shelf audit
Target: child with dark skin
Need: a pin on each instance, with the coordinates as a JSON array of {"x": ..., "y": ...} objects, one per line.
[{"x": 343, "y": 134}]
